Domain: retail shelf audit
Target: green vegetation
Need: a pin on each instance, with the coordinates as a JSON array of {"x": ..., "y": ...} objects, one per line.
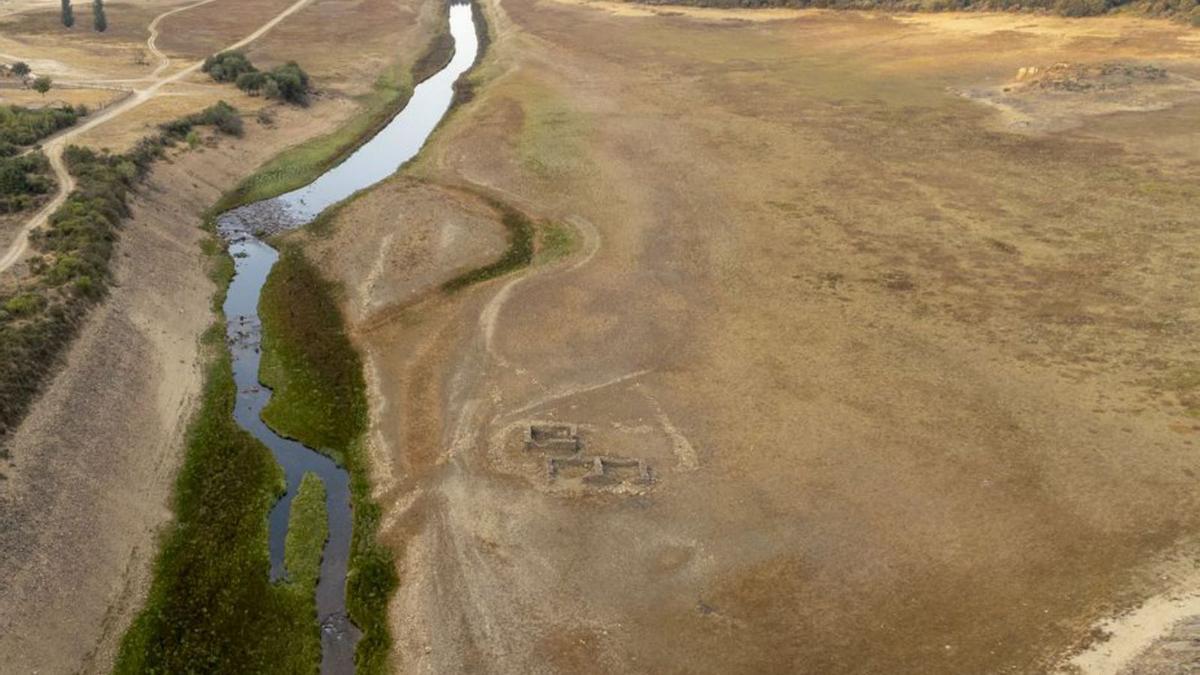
[
  {"x": 1188, "y": 10},
  {"x": 307, "y": 359},
  {"x": 212, "y": 607},
  {"x": 222, "y": 116},
  {"x": 20, "y": 69},
  {"x": 99, "y": 20},
  {"x": 227, "y": 66},
  {"x": 308, "y": 528},
  {"x": 557, "y": 242},
  {"x": 68, "y": 14},
  {"x": 23, "y": 180},
  {"x": 25, "y": 126},
  {"x": 72, "y": 271},
  {"x": 518, "y": 255},
  {"x": 287, "y": 83},
  {"x": 42, "y": 84},
  {"x": 552, "y": 142},
  {"x": 320, "y": 399}
]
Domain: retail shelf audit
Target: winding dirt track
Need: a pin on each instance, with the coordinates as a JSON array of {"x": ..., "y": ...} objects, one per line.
[{"x": 55, "y": 147}]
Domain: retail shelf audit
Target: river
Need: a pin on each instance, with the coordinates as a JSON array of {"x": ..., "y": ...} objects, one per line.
[{"x": 375, "y": 160}]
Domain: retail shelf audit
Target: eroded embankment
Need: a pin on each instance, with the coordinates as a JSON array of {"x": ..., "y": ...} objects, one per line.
[{"x": 91, "y": 466}]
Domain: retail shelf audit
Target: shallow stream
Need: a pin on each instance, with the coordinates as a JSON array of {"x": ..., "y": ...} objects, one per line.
[{"x": 375, "y": 160}]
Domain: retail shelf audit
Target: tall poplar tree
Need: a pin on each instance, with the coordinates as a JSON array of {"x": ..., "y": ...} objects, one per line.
[{"x": 99, "y": 21}]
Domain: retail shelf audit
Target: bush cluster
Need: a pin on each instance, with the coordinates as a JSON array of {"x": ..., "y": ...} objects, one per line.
[
  {"x": 227, "y": 66},
  {"x": 22, "y": 180},
  {"x": 25, "y": 126},
  {"x": 287, "y": 83},
  {"x": 72, "y": 271}
]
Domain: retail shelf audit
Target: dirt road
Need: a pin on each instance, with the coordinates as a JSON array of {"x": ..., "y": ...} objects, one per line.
[{"x": 55, "y": 147}]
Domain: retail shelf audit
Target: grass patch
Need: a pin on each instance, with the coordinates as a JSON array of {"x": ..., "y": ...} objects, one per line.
[
  {"x": 320, "y": 399},
  {"x": 308, "y": 528},
  {"x": 519, "y": 253},
  {"x": 550, "y": 143},
  {"x": 212, "y": 606},
  {"x": 307, "y": 359},
  {"x": 557, "y": 241}
]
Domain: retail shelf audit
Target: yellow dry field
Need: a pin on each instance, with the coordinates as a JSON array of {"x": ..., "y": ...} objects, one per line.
[
  {"x": 918, "y": 388},
  {"x": 94, "y": 99},
  {"x": 344, "y": 46},
  {"x": 32, "y": 32}
]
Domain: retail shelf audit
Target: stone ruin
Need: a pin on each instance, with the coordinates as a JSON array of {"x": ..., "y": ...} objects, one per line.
[
  {"x": 568, "y": 461},
  {"x": 553, "y": 437},
  {"x": 598, "y": 470}
]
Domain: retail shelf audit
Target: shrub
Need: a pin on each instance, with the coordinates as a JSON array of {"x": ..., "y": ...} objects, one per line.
[
  {"x": 25, "y": 304},
  {"x": 22, "y": 179},
  {"x": 23, "y": 126},
  {"x": 227, "y": 66},
  {"x": 271, "y": 90},
  {"x": 42, "y": 84},
  {"x": 220, "y": 115},
  {"x": 252, "y": 81},
  {"x": 1080, "y": 7},
  {"x": 20, "y": 69},
  {"x": 288, "y": 82},
  {"x": 292, "y": 82}
]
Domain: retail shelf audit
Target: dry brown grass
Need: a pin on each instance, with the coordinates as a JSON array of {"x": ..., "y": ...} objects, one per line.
[{"x": 912, "y": 351}]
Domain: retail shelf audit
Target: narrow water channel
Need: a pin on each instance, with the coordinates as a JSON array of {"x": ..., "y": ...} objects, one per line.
[{"x": 375, "y": 160}]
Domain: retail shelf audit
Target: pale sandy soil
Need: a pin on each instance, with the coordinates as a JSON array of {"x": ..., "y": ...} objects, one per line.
[
  {"x": 94, "y": 99},
  {"x": 412, "y": 235},
  {"x": 92, "y": 465},
  {"x": 918, "y": 394}
]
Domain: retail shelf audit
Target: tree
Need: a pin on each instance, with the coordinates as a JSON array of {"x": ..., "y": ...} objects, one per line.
[
  {"x": 291, "y": 84},
  {"x": 68, "y": 14},
  {"x": 228, "y": 66},
  {"x": 251, "y": 82},
  {"x": 99, "y": 21},
  {"x": 42, "y": 84},
  {"x": 20, "y": 69}
]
